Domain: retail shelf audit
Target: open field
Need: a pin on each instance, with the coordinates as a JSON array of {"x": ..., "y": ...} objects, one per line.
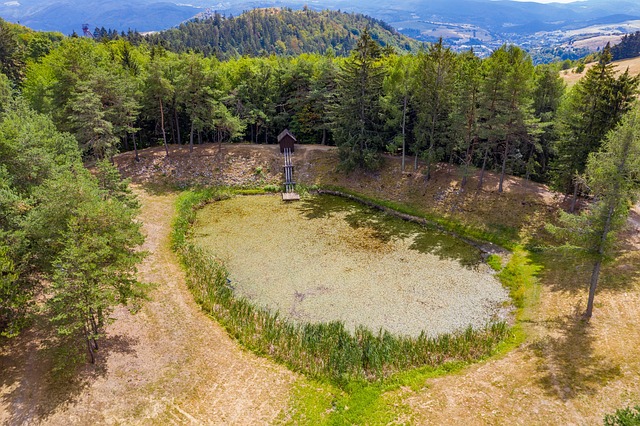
[
  {"x": 571, "y": 78},
  {"x": 171, "y": 364}
]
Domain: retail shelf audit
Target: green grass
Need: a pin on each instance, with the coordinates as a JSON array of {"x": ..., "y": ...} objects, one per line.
[
  {"x": 495, "y": 262},
  {"x": 520, "y": 276},
  {"x": 624, "y": 417},
  {"x": 359, "y": 403}
]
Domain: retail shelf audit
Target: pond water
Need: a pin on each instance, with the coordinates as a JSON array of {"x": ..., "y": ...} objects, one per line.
[{"x": 326, "y": 258}]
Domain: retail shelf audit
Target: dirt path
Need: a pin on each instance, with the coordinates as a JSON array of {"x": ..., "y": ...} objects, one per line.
[{"x": 167, "y": 364}]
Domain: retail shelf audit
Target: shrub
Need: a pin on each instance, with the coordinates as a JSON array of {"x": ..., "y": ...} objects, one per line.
[{"x": 624, "y": 417}]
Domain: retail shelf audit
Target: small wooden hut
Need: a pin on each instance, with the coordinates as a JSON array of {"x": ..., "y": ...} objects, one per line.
[{"x": 286, "y": 140}]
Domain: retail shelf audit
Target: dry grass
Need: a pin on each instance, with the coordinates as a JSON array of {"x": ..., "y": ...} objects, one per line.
[
  {"x": 571, "y": 78},
  {"x": 170, "y": 364}
]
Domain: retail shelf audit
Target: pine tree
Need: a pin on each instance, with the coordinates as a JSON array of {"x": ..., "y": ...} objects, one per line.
[
  {"x": 594, "y": 106},
  {"x": 357, "y": 124},
  {"x": 433, "y": 94},
  {"x": 613, "y": 177},
  {"x": 465, "y": 113}
]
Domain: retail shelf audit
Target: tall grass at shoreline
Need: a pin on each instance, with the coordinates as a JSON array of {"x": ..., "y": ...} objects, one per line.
[{"x": 321, "y": 350}]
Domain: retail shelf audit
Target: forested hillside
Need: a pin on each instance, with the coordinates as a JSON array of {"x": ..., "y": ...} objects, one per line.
[
  {"x": 19, "y": 44},
  {"x": 281, "y": 31},
  {"x": 498, "y": 113},
  {"x": 629, "y": 47}
]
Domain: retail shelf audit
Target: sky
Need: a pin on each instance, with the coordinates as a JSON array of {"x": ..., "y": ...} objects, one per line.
[{"x": 549, "y": 1}]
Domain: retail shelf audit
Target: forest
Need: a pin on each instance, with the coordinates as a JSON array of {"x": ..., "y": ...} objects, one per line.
[
  {"x": 284, "y": 32},
  {"x": 501, "y": 114},
  {"x": 629, "y": 47}
]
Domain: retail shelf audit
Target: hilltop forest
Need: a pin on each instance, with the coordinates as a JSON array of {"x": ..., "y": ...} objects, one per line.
[
  {"x": 277, "y": 31},
  {"x": 501, "y": 113}
]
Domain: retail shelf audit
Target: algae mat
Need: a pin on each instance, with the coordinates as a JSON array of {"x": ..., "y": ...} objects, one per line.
[{"x": 326, "y": 259}]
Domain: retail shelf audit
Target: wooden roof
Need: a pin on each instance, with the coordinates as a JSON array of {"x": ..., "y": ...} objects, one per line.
[{"x": 284, "y": 133}]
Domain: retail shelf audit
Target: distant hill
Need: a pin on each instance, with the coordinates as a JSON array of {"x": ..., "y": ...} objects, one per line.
[
  {"x": 67, "y": 16},
  {"x": 280, "y": 31}
]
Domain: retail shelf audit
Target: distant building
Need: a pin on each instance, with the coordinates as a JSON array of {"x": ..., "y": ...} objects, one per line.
[{"x": 286, "y": 140}]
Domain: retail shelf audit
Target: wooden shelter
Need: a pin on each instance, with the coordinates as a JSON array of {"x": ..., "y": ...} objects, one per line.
[{"x": 286, "y": 140}]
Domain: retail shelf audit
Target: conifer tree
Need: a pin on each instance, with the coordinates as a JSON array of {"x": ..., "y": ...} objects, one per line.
[
  {"x": 613, "y": 177},
  {"x": 357, "y": 122},
  {"x": 433, "y": 94},
  {"x": 594, "y": 106}
]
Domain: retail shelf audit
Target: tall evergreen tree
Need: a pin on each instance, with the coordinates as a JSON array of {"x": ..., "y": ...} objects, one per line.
[
  {"x": 548, "y": 92},
  {"x": 398, "y": 88},
  {"x": 594, "y": 106},
  {"x": 613, "y": 176},
  {"x": 433, "y": 93},
  {"x": 465, "y": 113},
  {"x": 357, "y": 122}
]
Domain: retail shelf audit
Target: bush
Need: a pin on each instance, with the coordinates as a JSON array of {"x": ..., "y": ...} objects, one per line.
[{"x": 624, "y": 417}]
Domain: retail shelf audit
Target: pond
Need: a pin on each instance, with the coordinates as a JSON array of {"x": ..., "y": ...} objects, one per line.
[{"x": 326, "y": 258}]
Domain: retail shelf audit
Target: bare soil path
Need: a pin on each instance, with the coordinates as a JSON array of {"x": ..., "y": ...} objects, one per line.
[{"x": 167, "y": 364}]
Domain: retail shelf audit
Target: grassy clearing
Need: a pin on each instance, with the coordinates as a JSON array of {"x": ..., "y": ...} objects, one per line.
[{"x": 325, "y": 350}]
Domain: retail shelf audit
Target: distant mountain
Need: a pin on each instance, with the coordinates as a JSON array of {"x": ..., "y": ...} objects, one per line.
[
  {"x": 484, "y": 24},
  {"x": 69, "y": 15},
  {"x": 280, "y": 31}
]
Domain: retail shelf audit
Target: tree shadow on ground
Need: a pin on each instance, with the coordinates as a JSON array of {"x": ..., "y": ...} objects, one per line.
[
  {"x": 568, "y": 365},
  {"x": 569, "y": 272},
  {"x": 42, "y": 374},
  {"x": 160, "y": 188}
]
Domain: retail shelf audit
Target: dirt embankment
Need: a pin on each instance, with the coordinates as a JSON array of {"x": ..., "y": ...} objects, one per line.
[{"x": 523, "y": 207}]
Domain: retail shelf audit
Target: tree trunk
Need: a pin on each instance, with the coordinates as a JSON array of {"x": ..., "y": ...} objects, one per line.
[
  {"x": 484, "y": 164},
  {"x": 575, "y": 197},
  {"x": 175, "y": 111},
  {"x": 89, "y": 347},
  {"x": 465, "y": 168},
  {"x": 595, "y": 275},
  {"x": 126, "y": 142},
  {"x": 404, "y": 126},
  {"x": 173, "y": 130},
  {"x": 191, "y": 138},
  {"x": 135, "y": 147},
  {"x": 324, "y": 136},
  {"x": 164, "y": 134},
  {"x": 504, "y": 165},
  {"x": 431, "y": 145}
]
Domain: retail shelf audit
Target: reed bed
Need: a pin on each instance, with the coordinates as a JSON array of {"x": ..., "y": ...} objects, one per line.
[{"x": 320, "y": 350}]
